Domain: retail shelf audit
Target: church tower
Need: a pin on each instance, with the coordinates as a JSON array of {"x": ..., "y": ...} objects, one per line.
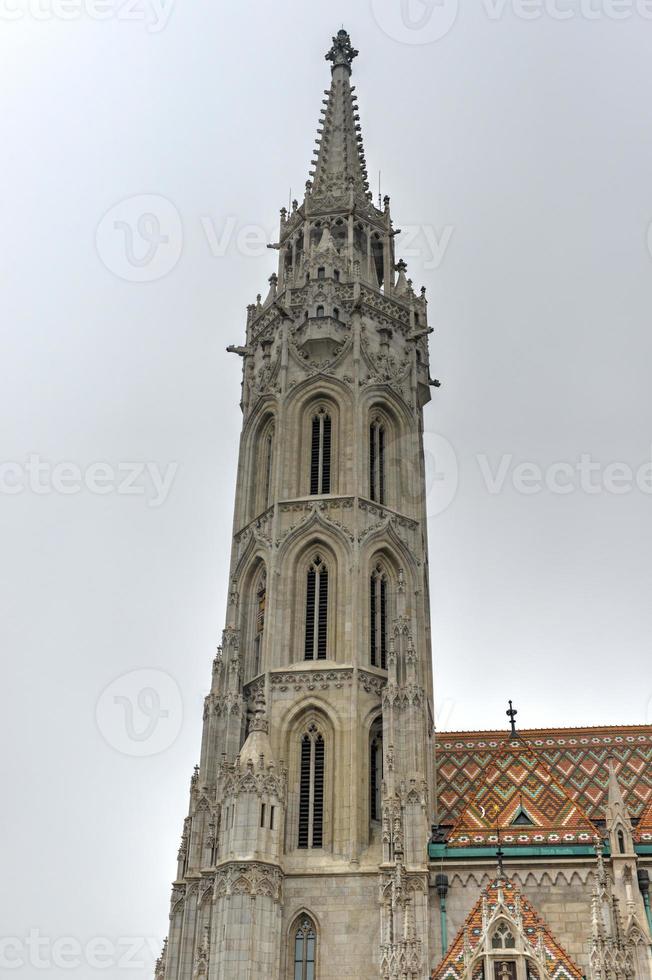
[{"x": 304, "y": 853}]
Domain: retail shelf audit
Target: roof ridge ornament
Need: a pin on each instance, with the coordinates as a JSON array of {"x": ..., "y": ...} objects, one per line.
[
  {"x": 511, "y": 714},
  {"x": 342, "y": 52}
]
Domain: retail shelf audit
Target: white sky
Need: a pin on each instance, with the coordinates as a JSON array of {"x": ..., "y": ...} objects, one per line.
[{"x": 527, "y": 145}]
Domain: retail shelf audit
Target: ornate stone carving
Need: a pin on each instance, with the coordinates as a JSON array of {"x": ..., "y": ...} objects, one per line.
[
  {"x": 312, "y": 680},
  {"x": 252, "y": 879}
]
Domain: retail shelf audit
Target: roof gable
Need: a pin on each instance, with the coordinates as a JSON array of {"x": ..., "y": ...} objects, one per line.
[{"x": 502, "y": 902}]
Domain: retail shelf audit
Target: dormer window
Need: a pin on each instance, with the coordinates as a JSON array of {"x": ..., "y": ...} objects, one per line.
[
  {"x": 336, "y": 275},
  {"x": 522, "y": 819}
]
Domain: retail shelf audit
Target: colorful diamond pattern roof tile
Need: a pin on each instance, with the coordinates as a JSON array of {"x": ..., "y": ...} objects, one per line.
[
  {"x": 498, "y": 896},
  {"x": 518, "y": 785},
  {"x": 643, "y": 832},
  {"x": 577, "y": 757}
]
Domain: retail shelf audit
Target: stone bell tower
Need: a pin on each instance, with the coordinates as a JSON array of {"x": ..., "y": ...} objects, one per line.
[{"x": 304, "y": 853}]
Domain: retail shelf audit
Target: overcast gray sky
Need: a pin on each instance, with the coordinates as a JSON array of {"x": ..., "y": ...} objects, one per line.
[{"x": 518, "y": 153}]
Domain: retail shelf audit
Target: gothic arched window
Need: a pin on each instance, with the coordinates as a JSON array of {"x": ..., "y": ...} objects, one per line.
[
  {"x": 304, "y": 949},
  {"x": 503, "y": 938},
  {"x": 262, "y": 469},
  {"x": 311, "y": 789},
  {"x": 320, "y": 311},
  {"x": 259, "y": 624},
  {"x": 621, "y": 842},
  {"x": 320, "y": 453},
  {"x": 377, "y": 442},
  {"x": 375, "y": 771},
  {"x": 316, "y": 640},
  {"x": 268, "y": 456},
  {"x": 378, "y": 617}
]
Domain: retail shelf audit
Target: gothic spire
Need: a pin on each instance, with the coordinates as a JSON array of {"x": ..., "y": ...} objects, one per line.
[{"x": 339, "y": 157}]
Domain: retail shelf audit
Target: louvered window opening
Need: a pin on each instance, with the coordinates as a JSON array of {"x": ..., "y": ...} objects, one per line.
[
  {"x": 316, "y": 640},
  {"x": 311, "y": 791},
  {"x": 375, "y": 776},
  {"x": 320, "y": 454},
  {"x": 378, "y": 619},
  {"x": 267, "y": 472},
  {"x": 377, "y": 462}
]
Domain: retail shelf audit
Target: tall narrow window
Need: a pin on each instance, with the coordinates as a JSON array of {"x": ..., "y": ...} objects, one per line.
[
  {"x": 375, "y": 773},
  {"x": 377, "y": 462},
  {"x": 320, "y": 456},
  {"x": 259, "y": 625},
  {"x": 378, "y": 617},
  {"x": 316, "y": 645},
  {"x": 305, "y": 950},
  {"x": 267, "y": 467},
  {"x": 311, "y": 790}
]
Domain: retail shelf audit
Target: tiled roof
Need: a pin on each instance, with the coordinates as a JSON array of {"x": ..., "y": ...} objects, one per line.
[
  {"x": 517, "y": 785},
  {"x": 643, "y": 833},
  {"x": 533, "y": 928},
  {"x": 577, "y": 757}
]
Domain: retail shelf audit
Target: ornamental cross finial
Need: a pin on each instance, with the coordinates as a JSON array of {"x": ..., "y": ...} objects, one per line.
[
  {"x": 342, "y": 53},
  {"x": 511, "y": 714}
]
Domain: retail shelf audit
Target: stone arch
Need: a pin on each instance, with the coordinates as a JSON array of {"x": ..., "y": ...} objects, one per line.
[
  {"x": 261, "y": 424},
  {"x": 303, "y": 923},
  {"x": 304, "y": 402},
  {"x": 312, "y": 719},
  {"x": 252, "y": 615},
  {"x": 316, "y": 538},
  {"x": 383, "y": 537},
  {"x": 384, "y": 434}
]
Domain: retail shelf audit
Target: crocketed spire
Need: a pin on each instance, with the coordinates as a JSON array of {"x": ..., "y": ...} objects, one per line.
[{"x": 339, "y": 161}]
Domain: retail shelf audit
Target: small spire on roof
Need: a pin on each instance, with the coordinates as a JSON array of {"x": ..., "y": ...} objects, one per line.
[{"x": 511, "y": 714}]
